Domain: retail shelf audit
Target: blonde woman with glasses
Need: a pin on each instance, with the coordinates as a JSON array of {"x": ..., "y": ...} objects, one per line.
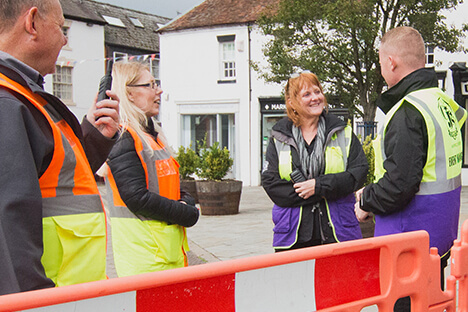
[
  {"x": 314, "y": 164},
  {"x": 148, "y": 211}
]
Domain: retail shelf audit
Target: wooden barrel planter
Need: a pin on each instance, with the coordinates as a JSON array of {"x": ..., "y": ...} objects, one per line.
[
  {"x": 219, "y": 197},
  {"x": 190, "y": 187}
]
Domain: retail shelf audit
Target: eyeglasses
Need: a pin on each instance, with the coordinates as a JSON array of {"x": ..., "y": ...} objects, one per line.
[
  {"x": 153, "y": 85},
  {"x": 296, "y": 75}
]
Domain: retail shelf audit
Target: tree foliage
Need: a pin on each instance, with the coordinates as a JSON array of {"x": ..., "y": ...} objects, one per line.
[{"x": 338, "y": 40}]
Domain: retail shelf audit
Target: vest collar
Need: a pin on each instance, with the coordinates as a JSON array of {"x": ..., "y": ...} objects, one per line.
[{"x": 419, "y": 79}]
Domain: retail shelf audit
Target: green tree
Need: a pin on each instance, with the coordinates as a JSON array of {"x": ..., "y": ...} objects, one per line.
[{"x": 338, "y": 40}]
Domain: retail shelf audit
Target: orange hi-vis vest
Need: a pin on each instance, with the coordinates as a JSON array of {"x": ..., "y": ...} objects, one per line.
[
  {"x": 142, "y": 245},
  {"x": 74, "y": 225}
]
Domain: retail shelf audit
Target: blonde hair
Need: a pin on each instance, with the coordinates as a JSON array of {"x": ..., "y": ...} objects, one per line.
[
  {"x": 124, "y": 74},
  {"x": 407, "y": 43},
  {"x": 291, "y": 92}
]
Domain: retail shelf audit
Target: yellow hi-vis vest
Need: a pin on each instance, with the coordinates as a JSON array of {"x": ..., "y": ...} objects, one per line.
[
  {"x": 436, "y": 205},
  {"x": 73, "y": 216},
  {"x": 142, "y": 245},
  {"x": 443, "y": 122},
  {"x": 340, "y": 212}
]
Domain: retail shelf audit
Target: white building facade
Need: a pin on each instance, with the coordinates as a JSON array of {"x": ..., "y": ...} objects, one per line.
[
  {"x": 210, "y": 87},
  {"x": 79, "y": 67}
]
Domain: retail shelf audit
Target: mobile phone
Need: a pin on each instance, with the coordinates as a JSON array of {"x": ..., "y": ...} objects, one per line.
[
  {"x": 105, "y": 83},
  {"x": 297, "y": 176}
]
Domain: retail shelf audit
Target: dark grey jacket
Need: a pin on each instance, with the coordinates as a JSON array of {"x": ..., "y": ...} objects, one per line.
[{"x": 26, "y": 148}]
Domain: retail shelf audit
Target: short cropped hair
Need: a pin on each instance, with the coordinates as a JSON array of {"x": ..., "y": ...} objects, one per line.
[
  {"x": 10, "y": 10},
  {"x": 407, "y": 43}
]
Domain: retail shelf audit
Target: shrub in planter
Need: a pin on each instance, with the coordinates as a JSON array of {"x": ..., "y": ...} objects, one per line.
[
  {"x": 367, "y": 228},
  {"x": 189, "y": 161},
  {"x": 217, "y": 196},
  {"x": 369, "y": 151},
  {"x": 215, "y": 162}
]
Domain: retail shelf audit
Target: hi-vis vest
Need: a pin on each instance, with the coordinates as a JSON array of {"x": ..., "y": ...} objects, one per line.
[
  {"x": 142, "y": 245},
  {"x": 340, "y": 212},
  {"x": 73, "y": 217},
  {"x": 435, "y": 207}
]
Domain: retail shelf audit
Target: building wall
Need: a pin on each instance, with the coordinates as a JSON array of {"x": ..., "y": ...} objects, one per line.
[
  {"x": 85, "y": 51},
  {"x": 189, "y": 75}
]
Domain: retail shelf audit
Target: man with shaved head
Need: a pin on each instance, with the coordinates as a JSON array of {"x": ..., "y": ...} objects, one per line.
[
  {"x": 418, "y": 153},
  {"x": 52, "y": 225}
]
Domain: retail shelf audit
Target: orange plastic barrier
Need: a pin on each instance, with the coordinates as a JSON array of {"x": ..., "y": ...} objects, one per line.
[
  {"x": 459, "y": 267},
  {"x": 338, "y": 277}
]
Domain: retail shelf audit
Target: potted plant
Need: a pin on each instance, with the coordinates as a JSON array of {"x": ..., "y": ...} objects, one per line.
[
  {"x": 367, "y": 228},
  {"x": 188, "y": 160},
  {"x": 216, "y": 195}
]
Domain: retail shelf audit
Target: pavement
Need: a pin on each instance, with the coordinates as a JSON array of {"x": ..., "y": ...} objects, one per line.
[{"x": 248, "y": 233}]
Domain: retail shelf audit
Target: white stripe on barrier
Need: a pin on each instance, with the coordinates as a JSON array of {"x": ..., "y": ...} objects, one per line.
[
  {"x": 124, "y": 302},
  {"x": 288, "y": 287}
]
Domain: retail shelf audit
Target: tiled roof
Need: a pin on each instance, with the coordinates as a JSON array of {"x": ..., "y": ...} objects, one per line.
[
  {"x": 130, "y": 36},
  {"x": 221, "y": 12},
  {"x": 74, "y": 9}
]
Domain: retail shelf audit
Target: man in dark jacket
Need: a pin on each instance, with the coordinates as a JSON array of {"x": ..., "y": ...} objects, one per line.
[
  {"x": 30, "y": 40},
  {"x": 418, "y": 177}
]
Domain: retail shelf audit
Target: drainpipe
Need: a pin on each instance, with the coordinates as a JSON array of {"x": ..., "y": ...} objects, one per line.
[{"x": 249, "y": 30}]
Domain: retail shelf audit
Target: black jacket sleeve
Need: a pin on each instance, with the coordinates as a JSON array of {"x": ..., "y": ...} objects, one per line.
[
  {"x": 95, "y": 145},
  {"x": 338, "y": 185},
  {"x": 23, "y": 148},
  {"x": 186, "y": 197},
  {"x": 406, "y": 150},
  {"x": 129, "y": 176},
  {"x": 280, "y": 191}
]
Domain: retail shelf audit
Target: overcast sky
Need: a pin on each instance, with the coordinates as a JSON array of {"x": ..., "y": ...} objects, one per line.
[{"x": 166, "y": 8}]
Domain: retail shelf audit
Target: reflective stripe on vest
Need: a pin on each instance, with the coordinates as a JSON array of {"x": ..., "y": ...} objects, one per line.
[
  {"x": 142, "y": 245},
  {"x": 73, "y": 219},
  {"x": 442, "y": 170},
  {"x": 337, "y": 149}
]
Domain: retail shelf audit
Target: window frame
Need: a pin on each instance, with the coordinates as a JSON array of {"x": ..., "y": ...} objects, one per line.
[
  {"x": 227, "y": 59},
  {"x": 68, "y": 83},
  {"x": 430, "y": 55}
]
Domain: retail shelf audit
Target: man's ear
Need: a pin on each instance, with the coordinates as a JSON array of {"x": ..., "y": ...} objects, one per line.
[
  {"x": 30, "y": 21},
  {"x": 393, "y": 62}
]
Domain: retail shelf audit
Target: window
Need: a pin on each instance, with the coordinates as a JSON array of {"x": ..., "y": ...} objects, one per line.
[
  {"x": 429, "y": 55},
  {"x": 154, "y": 65},
  {"x": 114, "y": 21},
  {"x": 62, "y": 84},
  {"x": 217, "y": 128},
  {"x": 227, "y": 58},
  {"x": 136, "y": 22},
  {"x": 120, "y": 56},
  {"x": 66, "y": 32},
  {"x": 228, "y": 63}
]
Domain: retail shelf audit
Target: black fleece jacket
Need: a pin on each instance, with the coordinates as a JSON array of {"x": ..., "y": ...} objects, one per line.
[
  {"x": 405, "y": 145},
  {"x": 130, "y": 178}
]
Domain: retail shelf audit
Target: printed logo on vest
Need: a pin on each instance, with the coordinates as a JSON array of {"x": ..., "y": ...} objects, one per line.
[{"x": 449, "y": 116}]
